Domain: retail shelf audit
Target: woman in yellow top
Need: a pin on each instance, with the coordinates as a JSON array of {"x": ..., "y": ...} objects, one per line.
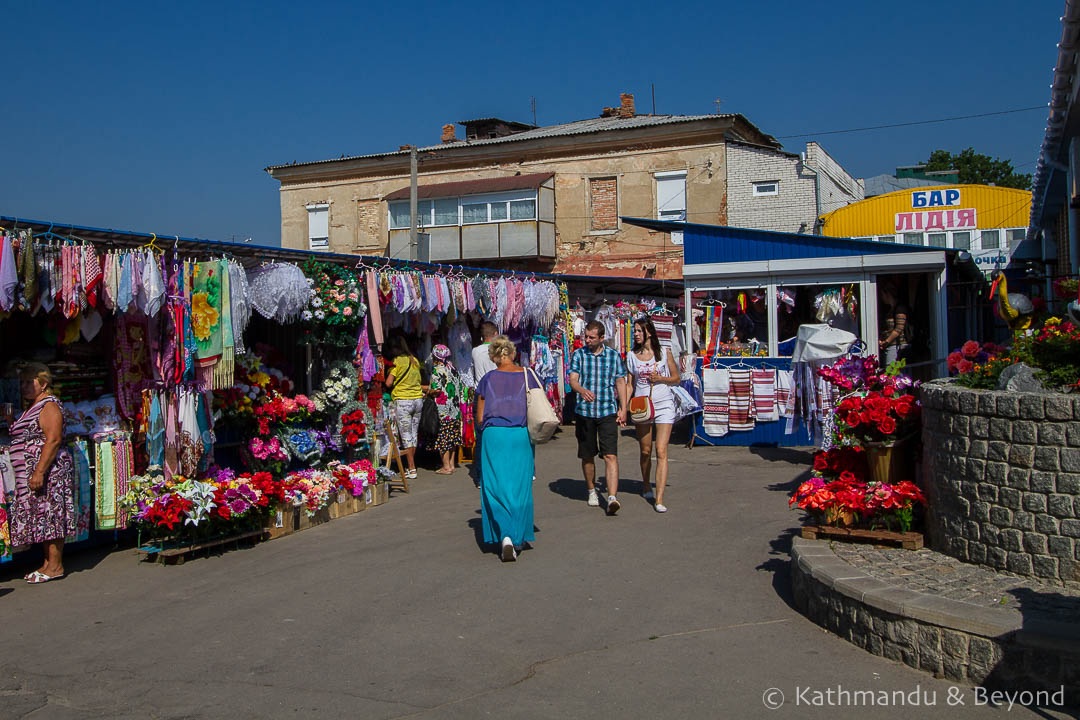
[{"x": 407, "y": 395}]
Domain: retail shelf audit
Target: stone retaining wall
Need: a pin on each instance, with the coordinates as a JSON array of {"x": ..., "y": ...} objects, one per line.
[
  {"x": 1002, "y": 478},
  {"x": 961, "y": 642}
]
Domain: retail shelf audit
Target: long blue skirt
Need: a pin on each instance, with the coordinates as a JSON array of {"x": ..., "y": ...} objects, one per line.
[{"x": 507, "y": 469}]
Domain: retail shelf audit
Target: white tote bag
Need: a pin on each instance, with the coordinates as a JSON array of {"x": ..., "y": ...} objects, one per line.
[{"x": 542, "y": 420}]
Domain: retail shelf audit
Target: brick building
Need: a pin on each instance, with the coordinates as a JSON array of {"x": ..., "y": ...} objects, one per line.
[{"x": 512, "y": 195}]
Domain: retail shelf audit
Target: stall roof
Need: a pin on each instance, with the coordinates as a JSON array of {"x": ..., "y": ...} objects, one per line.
[
  {"x": 254, "y": 254},
  {"x": 719, "y": 243}
]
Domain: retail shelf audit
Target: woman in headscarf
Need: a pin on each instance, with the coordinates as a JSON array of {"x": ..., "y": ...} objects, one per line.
[{"x": 448, "y": 391}]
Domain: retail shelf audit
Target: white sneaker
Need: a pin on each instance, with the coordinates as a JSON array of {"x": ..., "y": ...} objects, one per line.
[
  {"x": 660, "y": 508},
  {"x": 509, "y": 554},
  {"x": 613, "y": 505},
  {"x": 594, "y": 499}
]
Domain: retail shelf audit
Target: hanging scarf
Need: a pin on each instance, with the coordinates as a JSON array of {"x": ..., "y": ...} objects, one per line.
[
  {"x": 206, "y": 312},
  {"x": 92, "y": 274},
  {"x": 223, "y": 370},
  {"x": 365, "y": 358},
  {"x": 374, "y": 310}
]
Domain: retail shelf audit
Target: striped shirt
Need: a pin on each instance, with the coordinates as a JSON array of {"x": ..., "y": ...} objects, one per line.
[{"x": 597, "y": 373}]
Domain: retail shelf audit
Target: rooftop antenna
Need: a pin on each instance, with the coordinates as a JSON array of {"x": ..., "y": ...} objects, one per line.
[
  {"x": 653, "y": 86},
  {"x": 718, "y": 102},
  {"x": 532, "y": 104}
]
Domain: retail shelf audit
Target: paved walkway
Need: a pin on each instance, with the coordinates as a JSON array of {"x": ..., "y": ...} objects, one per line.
[
  {"x": 931, "y": 572},
  {"x": 398, "y": 612}
]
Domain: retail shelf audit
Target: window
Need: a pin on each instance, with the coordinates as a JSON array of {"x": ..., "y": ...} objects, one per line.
[
  {"x": 671, "y": 199},
  {"x": 913, "y": 239},
  {"x": 446, "y": 211},
  {"x": 318, "y": 226},
  {"x": 603, "y": 203},
  {"x": 961, "y": 240},
  {"x": 989, "y": 239},
  {"x": 1016, "y": 237},
  {"x": 886, "y": 238},
  {"x": 522, "y": 209},
  {"x": 836, "y": 305},
  {"x": 938, "y": 240},
  {"x": 517, "y": 205},
  {"x": 474, "y": 213},
  {"x": 771, "y": 187}
]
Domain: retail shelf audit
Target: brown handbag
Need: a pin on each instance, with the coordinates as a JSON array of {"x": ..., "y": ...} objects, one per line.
[{"x": 641, "y": 408}]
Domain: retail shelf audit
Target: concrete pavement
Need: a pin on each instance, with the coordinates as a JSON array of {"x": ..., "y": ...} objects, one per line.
[{"x": 398, "y": 612}]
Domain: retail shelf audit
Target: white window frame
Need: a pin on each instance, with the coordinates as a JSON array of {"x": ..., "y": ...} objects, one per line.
[
  {"x": 425, "y": 209},
  {"x": 997, "y": 232},
  {"x": 952, "y": 239},
  {"x": 318, "y": 242},
  {"x": 658, "y": 177},
  {"x": 760, "y": 184}
]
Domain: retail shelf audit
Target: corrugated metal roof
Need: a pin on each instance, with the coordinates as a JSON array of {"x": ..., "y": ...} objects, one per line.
[
  {"x": 719, "y": 243},
  {"x": 473, "y": 187},
  {"x": 885, "y": 183},
  {"x": 579, "y": 127},
  {"x": 495, "y": 119}
]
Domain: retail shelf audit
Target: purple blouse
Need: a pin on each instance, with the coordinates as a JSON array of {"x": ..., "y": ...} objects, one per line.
[{"x": 504, "y": 397}]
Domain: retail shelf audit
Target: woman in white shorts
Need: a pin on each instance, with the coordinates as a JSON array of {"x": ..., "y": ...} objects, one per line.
[{"x": 653, "y": 371}]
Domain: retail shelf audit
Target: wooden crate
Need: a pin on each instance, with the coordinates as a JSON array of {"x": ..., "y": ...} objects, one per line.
[
  {"x": 906, "y": 540},
  {"x": 283, "y": 521},
  {"x": 345, "y": 504},
  {"x": 380, "y": 493},
  {"x": 310, "y": 521}
]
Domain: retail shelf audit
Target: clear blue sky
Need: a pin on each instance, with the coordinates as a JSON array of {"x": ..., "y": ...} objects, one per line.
[{"x": 160, "y": 117}]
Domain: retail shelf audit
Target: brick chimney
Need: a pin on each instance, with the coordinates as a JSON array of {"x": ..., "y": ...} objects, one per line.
[
  {"x": 448, "y": 133},
  {"x": 627, "y": 108},
  {"x": 404, "y": 147}
]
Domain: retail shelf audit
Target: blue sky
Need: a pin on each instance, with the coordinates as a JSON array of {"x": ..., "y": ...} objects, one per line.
[{"x": 160, "y": 117}]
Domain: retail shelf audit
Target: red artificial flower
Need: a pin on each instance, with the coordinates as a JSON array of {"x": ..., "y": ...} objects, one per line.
[
  {"x": 970, "y": 349},
  {"x": 848, "y": 477},
  {"x": 821, "y": 461},
  {"x": 964, "y": 366},
  {"x": 853, "y": 419},
  {"x": 887, "y": 425},
  {"x": 904, "y": 405}
]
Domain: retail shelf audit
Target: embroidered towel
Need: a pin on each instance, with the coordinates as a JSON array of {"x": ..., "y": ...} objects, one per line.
[
  {"x": 740, "y": 416},
  {"x": 785, "y": 395},
  {"x": 765, "y": 395},
  {"x": 717, "y": 384}
]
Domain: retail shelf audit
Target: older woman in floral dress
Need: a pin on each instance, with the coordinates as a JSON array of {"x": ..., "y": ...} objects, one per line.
[
  {"x": 448, "y": 391},
  {"x": 44, "y": 506}
]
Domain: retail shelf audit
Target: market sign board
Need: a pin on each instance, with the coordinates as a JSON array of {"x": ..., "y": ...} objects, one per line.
[
  {"x": 989, "y": 260},
  {"x": 935, "y": 198},
  {"x": 931, "y": 220}
]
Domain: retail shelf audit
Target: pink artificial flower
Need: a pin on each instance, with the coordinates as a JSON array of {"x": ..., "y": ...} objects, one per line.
[
  {"x": 339, "y": 283},
  {"x": 347, "y": 311},
  {"x": 353, "y": 296}
]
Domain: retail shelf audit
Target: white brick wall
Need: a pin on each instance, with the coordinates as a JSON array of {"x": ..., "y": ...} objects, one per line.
[{"x": 794, "y": 209}]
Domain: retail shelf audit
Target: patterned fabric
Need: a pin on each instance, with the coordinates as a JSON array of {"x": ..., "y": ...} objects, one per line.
[
  {"x": 741, "y": 418},
  {"x": 48, "y": 514},
  {"x": 449, "y": 435},
  {"x": 765, "y": 395},
  {"x": 84, "y": 495},
  {"x": 445, "y": 380},
  {"x": 717, "y": 387},
  {"x": 114, "y": 468},
  {"x": 785, "y": 394},
  {"x": 597, "y": 373}
]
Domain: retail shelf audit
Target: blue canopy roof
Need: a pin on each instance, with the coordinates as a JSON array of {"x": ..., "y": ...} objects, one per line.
[{"x": 719, "y": 243}]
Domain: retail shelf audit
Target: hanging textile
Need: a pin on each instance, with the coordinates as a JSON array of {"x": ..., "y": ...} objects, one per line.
[
  {"x": 714, "y": 326},
  {"x": 765, "y": 395},
  {"x": 114, "y": 468},
  {"x": 223, "y": 369},
  {"x": 240, "y": 309},
  {"x": 206, "y": 312},
  {"x": 374, "y": 311},
  {"x": 84, "y": 495},
  {"x": 740, "y": 417},
  {"x": 717, "y": 388},
  {"x": 9, "y": 276},
  {"x": 131, "y": 362},
  {"x": 785, "y": 395}
]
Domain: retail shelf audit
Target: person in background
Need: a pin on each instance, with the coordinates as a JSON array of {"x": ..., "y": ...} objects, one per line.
[
  {"x": 506, "y": 504},
  {"x": 407, "y": 396},
  {"x": 653, "y": 371},
  {"x": 598, "y": 376},
  {"x": 44, "y": 507},
  {"x": 481, "y": 359},
  {"x": 448, "y": 392},
  {"x": 895, "y": 337},
  {"x": 481, "y": 366}
]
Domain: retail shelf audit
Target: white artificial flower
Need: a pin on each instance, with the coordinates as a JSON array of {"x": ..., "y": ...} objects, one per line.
[
  {"x": 319, "y": 314},
  {"x": 306, "y": 315},
  {"x": 316, "y": 301}
]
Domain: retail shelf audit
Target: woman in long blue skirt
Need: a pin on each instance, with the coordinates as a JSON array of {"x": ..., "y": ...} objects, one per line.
[{"x": 506, "y": 455}]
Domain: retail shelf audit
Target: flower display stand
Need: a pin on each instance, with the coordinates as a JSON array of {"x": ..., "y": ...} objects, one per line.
[
  {"x": 906, "y": 540},
  {"x": 169, "y": 554},
  {"x": 380, "y": 493}
]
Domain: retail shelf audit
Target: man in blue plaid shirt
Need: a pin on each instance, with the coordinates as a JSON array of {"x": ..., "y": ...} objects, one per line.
[{"x": 598, "y": 376}]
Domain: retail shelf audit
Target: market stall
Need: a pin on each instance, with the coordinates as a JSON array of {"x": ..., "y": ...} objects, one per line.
[
  {"x": 216, "y": 388},
  {"x": 747, "y": 293}
]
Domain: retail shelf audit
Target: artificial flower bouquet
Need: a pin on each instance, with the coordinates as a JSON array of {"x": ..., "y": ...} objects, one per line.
[
  {"x": 354, "y": 478},
  {"x": 839, "y": 493},
  {"x": 1053, "y": 350},
  {"x": 336, "y": 308},
  {"x": 353, "y": 427},
  {"x": 880, "y": 407},
  {"x": 310, "y": 489}
]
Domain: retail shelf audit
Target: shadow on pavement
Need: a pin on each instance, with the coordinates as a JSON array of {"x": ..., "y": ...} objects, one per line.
[
  {"x": 780, "y": 566},
  {"x": 5, "y": 591},
  {"x": 794, "y": 456},
  {"x": 75, "y": 560},
  {"x": 574, "y": 488},
  {"x": 477, "y": 526},
  {"x": 790, "y": 486}
]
